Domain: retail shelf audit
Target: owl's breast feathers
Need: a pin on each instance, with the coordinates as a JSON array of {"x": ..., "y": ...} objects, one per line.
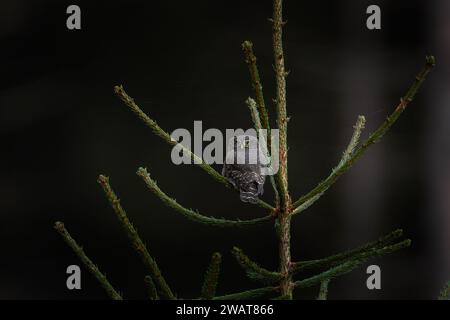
[{"x": 247, "y": 179}]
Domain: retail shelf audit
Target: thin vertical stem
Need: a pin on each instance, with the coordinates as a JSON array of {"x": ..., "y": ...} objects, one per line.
[
  {"x": 250, "y": 59},
  {"x": 284, "y": 218},
  {"x": 285, "y": 254},
  {"x": 280, "y": 74}
]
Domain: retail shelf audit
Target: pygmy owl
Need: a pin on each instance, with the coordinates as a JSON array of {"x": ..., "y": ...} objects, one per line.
[{"x": 242, "y": 167}]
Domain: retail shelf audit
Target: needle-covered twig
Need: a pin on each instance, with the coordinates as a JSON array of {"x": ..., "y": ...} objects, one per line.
[
  {"x": 369, "y": 250},
  {"x": 253, "y": 270},
  {"x": 191, "y": 214},
  {"x": 373, "y": 138},
  {"x": 348, "y": 266},
  {"x": 372, "y": 253},
  {"x": 359, "y": 126},
  {"x": 93, "y": 269},
  {"x": 250, "y": 59},
  {"x": 334, "y": 272},
  {"x": 346, "y": 255},
  {"x": 282, "y": 119},
  {"x": 323, "y": 291},
  {"x": 445, "y": 292},
  {"x": 256, "y": 118},
  {"x": 151, "y": 289},
  {"x": 211, "y": 277},
  {"x": 138, "y": 244}
]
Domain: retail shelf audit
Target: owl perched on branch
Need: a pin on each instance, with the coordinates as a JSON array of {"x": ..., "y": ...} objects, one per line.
[{"x": 243, "y": 167}]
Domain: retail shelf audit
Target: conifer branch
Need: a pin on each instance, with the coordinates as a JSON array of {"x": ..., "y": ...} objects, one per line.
[
  {"x": 157, "y": 130},
  {"x": 93, "y": 269},
  {"x": 191, "y": 214},
  {"x": 362, "y": 253},
  {"x": 250, "y": 59},
  {"x": 346, "y": 255},
  {"x": 136, "y": 241},
  {"x": 256, "y": 117},
  {"x": 327, "y": 275},
  {"x": 350, "y": 265},
  {"x": 373, "y": 138},
  {"x": 151, "y": 289},
  {"x": 211, "y": 277},
  {"x": 366, "y": 255},
  {"x": 445, "y": 292},
  {"x": 323, "y": 292},
  {"x": 253, "y": 270},
  {"x": 358, "y": 127},
  {"x": 331, "y": 273}
]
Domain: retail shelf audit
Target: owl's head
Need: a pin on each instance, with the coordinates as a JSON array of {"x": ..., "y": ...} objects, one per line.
[{"x": 243, "y": 149}]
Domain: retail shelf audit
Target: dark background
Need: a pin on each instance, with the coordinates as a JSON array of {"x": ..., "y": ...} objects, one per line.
[{"x": 61, "y": 125}]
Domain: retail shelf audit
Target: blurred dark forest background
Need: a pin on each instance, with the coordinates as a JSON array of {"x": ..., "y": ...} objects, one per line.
[{"x": 61, "y": 125}]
